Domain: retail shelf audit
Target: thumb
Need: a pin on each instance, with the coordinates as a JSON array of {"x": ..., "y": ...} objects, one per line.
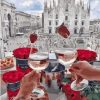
[
  {"x": 32, "y": 73},
  {"x": 74, "y": 70}
]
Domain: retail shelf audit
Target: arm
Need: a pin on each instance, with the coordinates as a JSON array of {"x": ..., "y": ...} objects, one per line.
[{"x": 19, "y": 97}]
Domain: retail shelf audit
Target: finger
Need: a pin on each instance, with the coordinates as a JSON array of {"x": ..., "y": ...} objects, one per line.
[
  {"x": 33, "y": 95},
  {"x": 76, "y": 65},
  {"x": 44, "y": 98},
  {"x": 74, "y": 70},
  {"x": 33, "y": 75},
  {"x": 79, "y": 79},
  {"x": 33, "y": 98},
  {"x": 36, "y": 76},
  {"x": 30, "y": 74}
]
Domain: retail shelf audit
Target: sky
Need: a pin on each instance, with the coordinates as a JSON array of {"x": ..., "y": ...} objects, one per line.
[{"x": 36, "y": 6}]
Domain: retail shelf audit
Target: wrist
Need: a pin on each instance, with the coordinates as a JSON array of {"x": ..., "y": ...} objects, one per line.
[
  {"x": 96, "y": 74},
  {"x": 20, "y": 96}
]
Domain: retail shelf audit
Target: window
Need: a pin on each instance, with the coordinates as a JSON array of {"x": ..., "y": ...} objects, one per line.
[
  {"x": 75, "y": 31},
  {"x": 66, "y": 17},
  {"x": 50, "y": 30},
  {"x": 82, "y": 22},
  {"x": 56, "y": 16},
  {"x": 75, "y": 22},
  {"x": 81, "y": 30},
  {"x": 49, "y": 22},
  {"x": 76, "y": 17},
  {"x": 56, "y": 22},
  {"x": 66, "y": 9}
]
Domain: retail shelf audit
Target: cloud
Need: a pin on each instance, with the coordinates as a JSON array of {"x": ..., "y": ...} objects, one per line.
[
  {"x": 27, "y": 3},
  {"x": 38, "y": 13},
  {"x": 12, "y": 1},
  {"x": 95, "y": 9},
  {"x": 38, "y": 5}
]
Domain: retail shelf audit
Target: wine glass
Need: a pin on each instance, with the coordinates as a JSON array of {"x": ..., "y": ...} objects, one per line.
[
  {"x": 67, "y": 56},
  {"x": 38, "y": 61}
]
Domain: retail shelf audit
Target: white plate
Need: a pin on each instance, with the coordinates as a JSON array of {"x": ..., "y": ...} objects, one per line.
[
  {"x": 39, "y": 92},
  {"x": 10, "y": 68},
  {"x": 73, "y": 85}
]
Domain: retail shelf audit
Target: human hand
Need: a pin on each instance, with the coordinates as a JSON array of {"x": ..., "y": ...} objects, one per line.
[
  {"x": 82, "y": 70},
  {"x": 28, "y": 83}
]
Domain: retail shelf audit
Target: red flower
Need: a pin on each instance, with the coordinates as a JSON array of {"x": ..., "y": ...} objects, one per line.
[
  {"x": 12, "y": 76},
  {"x": 23, "y": 53},
  {"x": 67, "y": 89},
  {"x": 71, "y": 95},
  {"x": 86, "y": 55},
  {"x": 63, "y": 31}
]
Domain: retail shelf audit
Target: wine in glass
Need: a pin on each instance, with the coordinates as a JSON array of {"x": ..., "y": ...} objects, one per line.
[
  {"x": 38, "y": 61},
  {"x": 67, "y": 57}
]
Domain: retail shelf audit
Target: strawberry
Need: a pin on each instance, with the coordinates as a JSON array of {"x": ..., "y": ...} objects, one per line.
[
  {"x": 63, "y": 31},
  {"x": 33, "y": 37}
]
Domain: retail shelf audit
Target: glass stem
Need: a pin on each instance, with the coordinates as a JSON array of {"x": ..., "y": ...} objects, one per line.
[
  {"x": 31, "y": 48},
  {"x": 38, "y": 83}
]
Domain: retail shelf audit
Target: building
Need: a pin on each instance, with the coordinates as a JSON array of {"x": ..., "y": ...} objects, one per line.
[
  {"x": 7, "y": 19},
  {"x": 27, "y": 22},
  {"x": 36, "y": 22},
  {"x": 7, "y": 23},
  {"x": 74, "y": 16},
  {"x": 95, "y": 26},
  {"x": 23, "y": 22}
]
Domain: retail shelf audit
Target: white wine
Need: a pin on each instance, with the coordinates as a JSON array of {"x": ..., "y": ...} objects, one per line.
[
  {"x": 38, "y": 61},
  {"x": 66, "y": 57}
]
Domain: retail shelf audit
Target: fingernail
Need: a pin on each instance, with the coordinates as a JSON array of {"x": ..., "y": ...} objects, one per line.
[{"x": 70, "y": 70}]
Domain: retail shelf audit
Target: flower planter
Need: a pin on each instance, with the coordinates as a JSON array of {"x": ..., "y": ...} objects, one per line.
[
  {"x": 12, "y": 80},
  {"x": 22, "y": 63},
  {"x": 21, "y": 55},
  {"x": 70, "y": 94}
]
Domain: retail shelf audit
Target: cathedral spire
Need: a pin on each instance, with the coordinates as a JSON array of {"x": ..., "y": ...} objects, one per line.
[
  {"x": 89, "y": 7},
  {"x": 81, "y": 3},
  {"x": 45, "y": 5},
  {"x": 54, "y": 4},
  {"x": 50, "y": 5}
]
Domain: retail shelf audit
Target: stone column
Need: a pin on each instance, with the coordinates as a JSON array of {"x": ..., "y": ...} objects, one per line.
[{"x": 1, "y": 34}]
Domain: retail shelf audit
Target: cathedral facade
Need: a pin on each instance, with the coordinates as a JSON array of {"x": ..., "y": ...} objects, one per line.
[{"x": 75, "y": 16}]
